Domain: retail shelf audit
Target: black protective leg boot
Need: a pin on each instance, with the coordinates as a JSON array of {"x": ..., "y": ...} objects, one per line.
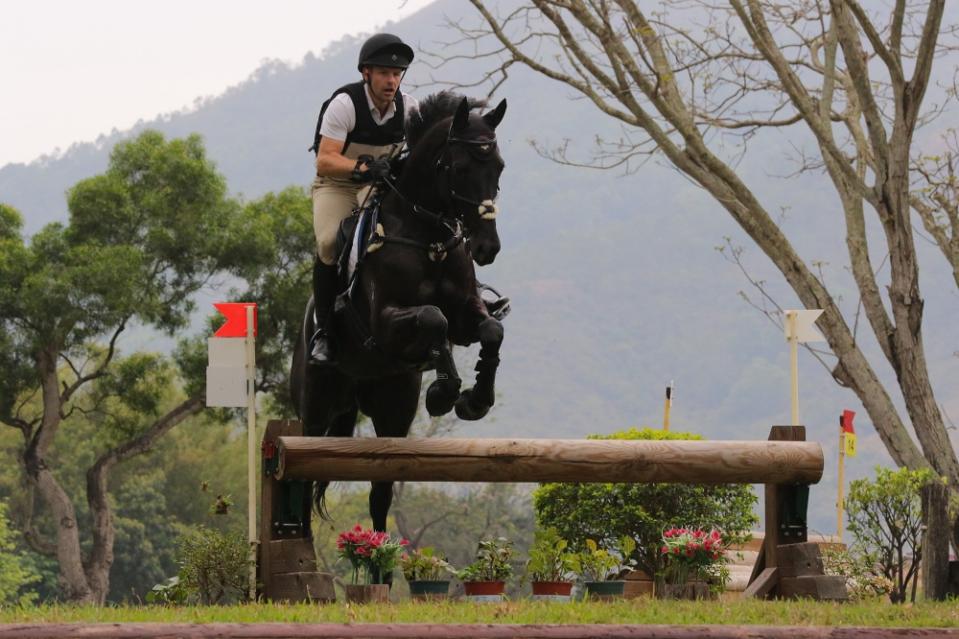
[
  {"x": 497, "y": 305},
  {"x": 324, "y": 291}
]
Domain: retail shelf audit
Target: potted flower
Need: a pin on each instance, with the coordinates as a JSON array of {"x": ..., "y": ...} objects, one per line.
[
  {"x": 485, "y": 578},
  {"x": 373, "y": 555},
  {"x": 601, "y": 568},
  {"x": 426, "y": 574},
  {"x": 693, "y": 560},
  {"x": 549, "y": 567}
]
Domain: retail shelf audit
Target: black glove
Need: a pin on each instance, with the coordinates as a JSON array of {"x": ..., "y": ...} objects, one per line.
[
  {"x": 378, "y": 169},
  {"x": 375, "y": 169}
]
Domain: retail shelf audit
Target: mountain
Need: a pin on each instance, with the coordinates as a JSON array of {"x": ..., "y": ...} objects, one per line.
[{"x": 616, "y": 284}]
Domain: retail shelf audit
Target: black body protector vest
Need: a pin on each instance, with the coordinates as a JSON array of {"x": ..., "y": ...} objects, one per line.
[{"x": 367, "y": 137}]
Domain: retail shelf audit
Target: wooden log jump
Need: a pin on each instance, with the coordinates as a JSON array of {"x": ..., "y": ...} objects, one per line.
[
  {"x": 548, "y": 460},
  {"x": 786, "y": 464}
]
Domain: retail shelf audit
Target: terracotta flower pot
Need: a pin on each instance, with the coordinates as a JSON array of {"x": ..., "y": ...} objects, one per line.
[
  {"x": 551, "y": 590},
  {"x": 423, "y": 589},
  {"x": 367, "y": 593},
  {"x": 484, "y": 590},
  {"x": 605, "y": 590}
]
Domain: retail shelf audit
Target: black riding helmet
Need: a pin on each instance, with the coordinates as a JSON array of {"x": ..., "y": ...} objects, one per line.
[{"x": 385, "y": 50}]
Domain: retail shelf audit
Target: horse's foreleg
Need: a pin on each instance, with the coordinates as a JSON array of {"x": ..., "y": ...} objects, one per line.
[
  {"x": 418, "y": 333},
  {"x": 475, "y": 402}
]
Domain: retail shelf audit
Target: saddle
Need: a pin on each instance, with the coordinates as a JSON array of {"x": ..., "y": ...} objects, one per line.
[{"x": 355, "y": 239}]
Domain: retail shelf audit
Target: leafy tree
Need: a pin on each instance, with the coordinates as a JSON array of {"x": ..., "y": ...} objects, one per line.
[
  {"x": 885, "y": 517},
  {"x": 703, "y": 84},
  {"x": 607, "y": 512},
  {"x": 141, "y": 239}
]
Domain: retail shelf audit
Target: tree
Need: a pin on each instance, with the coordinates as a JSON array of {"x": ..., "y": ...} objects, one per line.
[
  {"x": 690, "y": 76},
  {"x": 885, "y": 518},
  {"x": 141, "y": 239}
]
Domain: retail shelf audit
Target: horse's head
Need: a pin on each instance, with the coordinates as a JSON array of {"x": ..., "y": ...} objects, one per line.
[
  {"x": 458, "y": 166},
  {"x": 471, "y": 166}
]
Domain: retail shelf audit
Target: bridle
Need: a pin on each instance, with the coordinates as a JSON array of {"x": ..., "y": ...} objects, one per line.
[{"x": 451, "y": 221}]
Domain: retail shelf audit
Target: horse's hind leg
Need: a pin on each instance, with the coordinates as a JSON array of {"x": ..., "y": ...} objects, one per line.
[
  {"x": 475, "y": 402},
  {"x": 391, "y": 404},
  {"x": 341, "y": 425}
]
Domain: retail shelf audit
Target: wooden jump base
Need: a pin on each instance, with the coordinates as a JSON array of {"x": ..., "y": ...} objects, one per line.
[
  {"x": 548, "y": 460},
  {"x": 786, "y": 464},
  {"x": 456, "y": 631}
]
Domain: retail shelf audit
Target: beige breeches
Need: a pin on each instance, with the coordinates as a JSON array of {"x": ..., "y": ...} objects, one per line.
[{"x": 333, "y": 201}]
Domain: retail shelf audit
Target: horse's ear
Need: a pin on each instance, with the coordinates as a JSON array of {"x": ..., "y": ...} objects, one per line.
[
  {"x": 462, "y": 118},
  {"x": 494, "y": 117}
]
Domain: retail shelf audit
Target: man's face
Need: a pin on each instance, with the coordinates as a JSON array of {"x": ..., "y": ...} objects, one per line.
[{"x": 384, "y": 82}]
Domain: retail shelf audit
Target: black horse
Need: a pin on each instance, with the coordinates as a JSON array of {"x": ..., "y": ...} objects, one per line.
[{"x": 415, "y": 295}]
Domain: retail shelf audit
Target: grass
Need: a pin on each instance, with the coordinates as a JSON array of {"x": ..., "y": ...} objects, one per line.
[{"x": 877, "y": 613}]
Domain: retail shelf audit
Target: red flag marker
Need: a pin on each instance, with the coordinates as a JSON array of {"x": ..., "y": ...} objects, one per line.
[
  {"x": 846, "y": 421},
  {"x": 235, "y": 314}
]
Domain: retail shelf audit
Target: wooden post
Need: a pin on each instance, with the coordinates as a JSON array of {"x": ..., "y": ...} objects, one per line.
[
  {"x": 935, "y": 541},
  {"x": 287, "y": 563}
]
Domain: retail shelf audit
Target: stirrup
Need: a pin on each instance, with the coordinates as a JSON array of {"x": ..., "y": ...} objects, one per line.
[
  {"x": 497, "y": 304},
  {"x": 320, "y": 352}
]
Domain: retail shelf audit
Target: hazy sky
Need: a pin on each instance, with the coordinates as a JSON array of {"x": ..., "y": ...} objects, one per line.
[{"x": 70, "y": 70}]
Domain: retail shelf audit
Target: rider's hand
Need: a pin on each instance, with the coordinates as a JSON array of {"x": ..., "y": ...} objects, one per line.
[{"x": 378, "y": 169}]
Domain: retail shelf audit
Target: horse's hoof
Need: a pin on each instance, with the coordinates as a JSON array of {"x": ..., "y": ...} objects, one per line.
[
  {"x": 468, "y": 409},
  {"x": 440, "y": 397}
]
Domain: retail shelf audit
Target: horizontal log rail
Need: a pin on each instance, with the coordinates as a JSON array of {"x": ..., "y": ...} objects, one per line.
[
  {"x": 548, "y": 460},
  {"x": 456, "y": 631}
]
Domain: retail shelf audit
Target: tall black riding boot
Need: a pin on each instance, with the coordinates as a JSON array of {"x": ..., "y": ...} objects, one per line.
[{"x": 324, "y": 292}]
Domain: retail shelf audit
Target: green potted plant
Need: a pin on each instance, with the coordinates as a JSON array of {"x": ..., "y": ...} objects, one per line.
[
  {"x": 427, "y": 574},
  {"x": 373, "y": 555},
  {"x": 485, "y": 578},
  {"x": 550, "y": 565},
  {"x": 694, "y": 563},
  {"x": 600, "y": 568}
]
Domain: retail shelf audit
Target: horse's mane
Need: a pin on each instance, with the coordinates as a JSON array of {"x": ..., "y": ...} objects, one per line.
[{"x": 433, "y": 109}]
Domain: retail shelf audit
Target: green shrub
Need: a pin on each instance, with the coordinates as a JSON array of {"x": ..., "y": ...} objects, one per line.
[
  {"x": 862, "y": 582},
  {"x": 15, "y": 574},
  {"x": 608, "y": 512},
  {"x": 885, "y": 518},
  {"x": 214, "y": 566}
]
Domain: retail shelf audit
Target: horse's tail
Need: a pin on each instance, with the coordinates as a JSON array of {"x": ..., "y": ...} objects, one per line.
[
  {"x": 319, "y": 500},
  {"x": 299, "y": 364}
]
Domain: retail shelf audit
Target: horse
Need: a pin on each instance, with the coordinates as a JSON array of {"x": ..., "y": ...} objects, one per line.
[{"x": 415, "y": 295}]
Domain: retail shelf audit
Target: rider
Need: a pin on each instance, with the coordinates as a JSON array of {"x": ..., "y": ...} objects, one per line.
[{"x": 361, "y": 127}]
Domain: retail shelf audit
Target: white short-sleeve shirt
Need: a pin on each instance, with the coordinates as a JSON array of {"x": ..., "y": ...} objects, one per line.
[{"x": 340, "y": 116}]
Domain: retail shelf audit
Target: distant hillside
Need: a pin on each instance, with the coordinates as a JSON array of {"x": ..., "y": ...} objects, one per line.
[{"x": 616, "y": 285}]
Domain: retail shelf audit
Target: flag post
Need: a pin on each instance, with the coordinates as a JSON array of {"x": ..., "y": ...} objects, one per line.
[
  {"x": 793, "y": 366},
  {"x": 667, "y": 406},
  {"x": 847, "y": 447},
  {"x": 251, "y": 443},
  {"x": 231, "y": 383},
  {"x": 841, "y": 479},
  {"x": 799, "y": 326}
]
